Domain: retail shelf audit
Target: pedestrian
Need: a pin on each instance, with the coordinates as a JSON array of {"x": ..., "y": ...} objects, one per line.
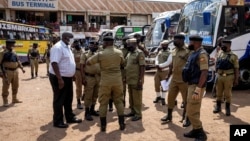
[
  {"x": 91, "y": 79},
  {"x": 9, "y": 63},
  {"x": 110, "y": 60},
  {"x": 77, "y": 51},
  {"x": 178, "y": 59},
  {"x": 34, "y": 57},
  {"x": 62, "y": 70},
  {"x": 227, "y": 68},
  {"x": 161, "y": 74},
  {"x": 135, "y": 67},
  {"x": 195, "y": 74},
  {"x": 46, "y": 57}
]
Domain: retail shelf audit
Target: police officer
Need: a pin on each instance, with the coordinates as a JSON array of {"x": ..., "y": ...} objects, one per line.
[
  {"x": 195, "y": 73},
  {"x": 135, "y": 66},
  {"x": 33, "y": 57},
  {"x": 77, "y": 51},
  {"x": 140, "y": 45},
  {"x": 110, "y": 60},
  {"x": 161, "y": 74},
  {"x": 179, "y": 58},
  {"x": 46, "y": 57},
  {"x": 9, "y": 63},
  {"x": 91, "y": 79},
  {"x": 125, "y": 52},
  {"x": 227, "y": 67}
]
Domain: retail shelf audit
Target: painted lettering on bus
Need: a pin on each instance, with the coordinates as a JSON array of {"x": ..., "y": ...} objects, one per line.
[{"x": 6, "y": 26}]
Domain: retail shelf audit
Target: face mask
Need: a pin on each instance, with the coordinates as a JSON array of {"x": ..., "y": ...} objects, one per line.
[
  {"x": 93, "y": 49},
  {"x": 77, "y": 47},
  {"x": 219, "y": 44},
  {"x": 71, "y": 40},
  {"x": 191, "y": 47},
  {"x": 130, "y": 48},
  {"x": 176, "y": 44},
  {"x": 224, "y": 48}
]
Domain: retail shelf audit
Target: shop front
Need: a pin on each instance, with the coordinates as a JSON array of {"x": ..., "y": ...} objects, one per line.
[{"x": 118, "y": 19}]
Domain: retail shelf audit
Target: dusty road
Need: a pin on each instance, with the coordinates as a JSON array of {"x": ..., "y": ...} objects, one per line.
[{"x": 31, "y": 120}]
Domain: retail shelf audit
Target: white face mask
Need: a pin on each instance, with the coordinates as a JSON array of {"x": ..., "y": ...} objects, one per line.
[{"x": 71, "y": 40}]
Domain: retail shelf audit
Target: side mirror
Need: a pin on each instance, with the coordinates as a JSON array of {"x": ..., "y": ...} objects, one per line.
[
  {"x": 168, "y": 22},
  {"x": 206, "y": 18}
]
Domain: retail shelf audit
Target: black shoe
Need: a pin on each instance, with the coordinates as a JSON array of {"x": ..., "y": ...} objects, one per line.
[
  {"x": 157, "y": 99},
  {"x": 228, "y": 112},
  {"x": 88, "y": 117},
  {"x": 79, "y": 106},
  {"x": 61, "y": 125},
  {"x": 201, "y": 135},
  {"x": 121, "y": 122},
  {"x": 217, "y": 108},
  {"x": 192, "y": 134},
  {"x": 135, "y": 118},
  {"x": 74, "y": 120},
  {"x": 103, "y": 123},
  {"x": 163, "y": 101},
  {"x": 168, "y": 117},
  {"x": 92, "y": 111},
  {"x": 182, "y": 105},
  {"x": 186, "y": 122},
  {"x": 129, "y": 115},
  {"x": 110, "y": 109}
]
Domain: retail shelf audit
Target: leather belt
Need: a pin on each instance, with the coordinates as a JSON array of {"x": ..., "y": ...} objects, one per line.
[
  {"x": 226, "y": 74},
  {"x": 88, "y": 74},
  {"x": 11, "y": 69}
]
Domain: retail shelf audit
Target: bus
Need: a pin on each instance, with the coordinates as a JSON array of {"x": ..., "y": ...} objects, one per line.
[
  {"x": 213, "y": 18},
  {"x": 157, "y": 32},
  {"x": 24, "y": 35}
]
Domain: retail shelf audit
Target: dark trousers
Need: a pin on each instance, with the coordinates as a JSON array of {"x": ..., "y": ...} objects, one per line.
[{"x": 62, "y": 99}]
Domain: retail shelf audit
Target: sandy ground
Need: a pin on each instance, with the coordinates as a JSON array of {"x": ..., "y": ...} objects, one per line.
[{"x": 32, "y": 119}]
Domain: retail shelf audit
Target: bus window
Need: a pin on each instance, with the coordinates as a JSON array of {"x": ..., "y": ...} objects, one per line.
[
  {"x": 1, "y": 34},
  {"x": 247, "y": 17},
  {"x": 11, "y": 35},
  {"x": 27, "y": 36},
  {"x": 231, "y": 20}
]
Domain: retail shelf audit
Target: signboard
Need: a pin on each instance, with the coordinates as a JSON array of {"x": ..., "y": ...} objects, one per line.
[
  {"x": 33, "y": 4},
  {"x": 17, "y": 27},
  {"x": 236, "y": 2}
]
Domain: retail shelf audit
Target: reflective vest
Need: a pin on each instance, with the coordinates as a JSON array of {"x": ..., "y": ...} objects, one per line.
[{"x": 224, "y": 64}]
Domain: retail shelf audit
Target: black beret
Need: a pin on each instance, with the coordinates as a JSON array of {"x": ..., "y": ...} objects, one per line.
[
  {"x": 9, "y": 41},
  {"x": 137, "y": 35},
  {"x": 195, "y": 38},
  {"x": 125, "y": 38},
  {"x": 92, "y": 42},
  {"x": 108, "y": 38},
  {"x": 179, "y": 36},
  {"x": 227, "y": 41},
  {"x": 35, "y": 44}
]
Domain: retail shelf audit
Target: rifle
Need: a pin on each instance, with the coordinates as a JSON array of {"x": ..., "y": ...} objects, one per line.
[{"x": 214, "y": 86}]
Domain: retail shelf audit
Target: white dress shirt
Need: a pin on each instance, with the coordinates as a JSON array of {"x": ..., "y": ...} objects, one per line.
[{"x": 63, "y": 56}]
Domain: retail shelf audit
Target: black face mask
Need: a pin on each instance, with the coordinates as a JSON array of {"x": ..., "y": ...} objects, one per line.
[
  {"x": 77, "y": 47},
  {"x": 130, "y": 48},
  {"x": 224, "y": 48},
  {"x": 219, "y": 44},
  {"x": 138, "y": 41},
  {"x": 93, "y": 49},
  {"x": 191, "y": 47},
  {"x": 176, "y": 44}
]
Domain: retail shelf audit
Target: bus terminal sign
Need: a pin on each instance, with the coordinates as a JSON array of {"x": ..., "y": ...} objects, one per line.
[{"x": 34, "y": 4}]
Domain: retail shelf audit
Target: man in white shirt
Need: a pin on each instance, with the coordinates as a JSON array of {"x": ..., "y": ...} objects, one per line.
[{"x": 62, "y": 69}]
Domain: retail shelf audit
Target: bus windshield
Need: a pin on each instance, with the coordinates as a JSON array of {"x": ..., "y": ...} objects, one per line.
[
  {"x": 191, "y": 20},
  {"x": 154, "y": 34}
]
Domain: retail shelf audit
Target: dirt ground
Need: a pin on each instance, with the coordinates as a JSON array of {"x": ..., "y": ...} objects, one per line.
[{"x": 32, "y": 119}]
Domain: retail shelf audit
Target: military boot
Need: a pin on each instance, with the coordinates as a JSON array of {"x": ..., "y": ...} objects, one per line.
[
  {"x": 87, "y": 114},
  {"x": 200, "y": 135},
  {"x": 121, "y": 122},
  {"x": 163, "y": 101},
  {"x": 103, "y": 123},
  {"x": 217, "y": 108},
  {"x": 5, "y": 102},
  {"x": 36, "y": 74},
  {"x": 192, "y": 134},
  {"x": 157, "y": 99},
  {"x": 186, "y": 122},
  {"x": 32, "y": 75},
  {"x": 92, "y": 111},
  {"x": 228, "y": 113},
  {"x": 110, "y": 105},
  {"x": 168, "y": 117},
  {"x": 15, "y": 100}
]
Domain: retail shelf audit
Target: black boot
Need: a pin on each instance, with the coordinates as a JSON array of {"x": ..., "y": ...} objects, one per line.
[
  {"x": 32, "y": 75},
  {"x": 217, "y": 108},
  {"x": 36, "y": 74},
  {"x": 103, "y": 124},
  {"x": 186, "y": 122},
  {"x": 163, "y": 101},
  {"x": 201, "y": 135},
  {"x": 87, "y": 114},
  {"x": 192, "y": 134},
  {"x": 79, "y": 104},
  {"x": 228, "y": 113},
  {"x": 168, "y": 117},
  {"x": 110, "y": 105},
  {"x": 121, "y": 122},
  {"x": 92, "y": 111},
  {"x": 157, "y": 99}
]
